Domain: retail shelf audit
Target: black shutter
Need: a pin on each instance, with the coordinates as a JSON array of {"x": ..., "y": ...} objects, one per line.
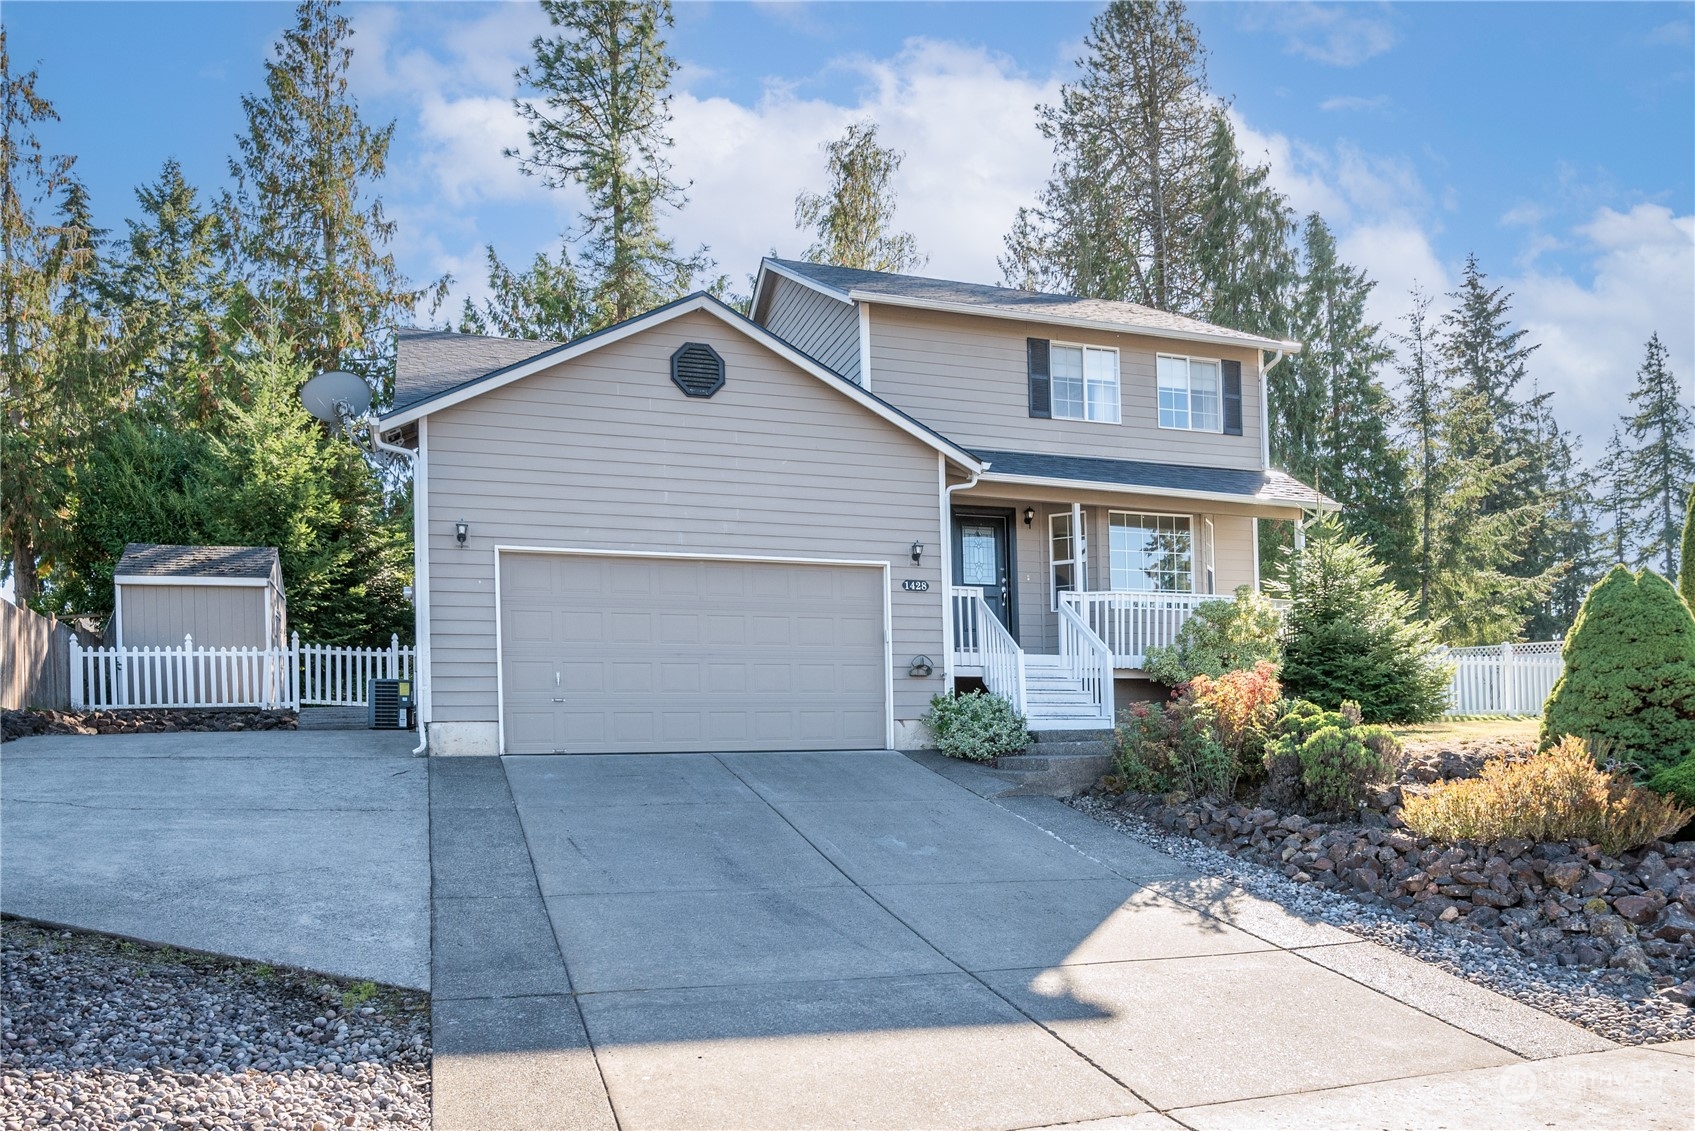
[
  {"x": 1232, "y": 398},
  {"x": 1041, "y": 392}
]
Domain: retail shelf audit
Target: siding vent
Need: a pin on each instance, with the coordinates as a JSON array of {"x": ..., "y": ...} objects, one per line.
[{"x": 697, "y": 369}]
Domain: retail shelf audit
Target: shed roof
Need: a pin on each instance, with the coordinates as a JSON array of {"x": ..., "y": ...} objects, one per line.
[
  {"x": 1269, "y": 486},
  {"x": 850, "y": 283},
  {"x": 147, "y": 559}
]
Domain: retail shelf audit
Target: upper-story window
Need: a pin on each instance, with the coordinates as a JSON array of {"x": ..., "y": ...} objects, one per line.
[
  {"x": 1189, "y": 394},
  {"x": 1085, "y": 383}
]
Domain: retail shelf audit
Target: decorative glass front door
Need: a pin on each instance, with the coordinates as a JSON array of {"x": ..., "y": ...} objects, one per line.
[{"x": 982, "y": 559}]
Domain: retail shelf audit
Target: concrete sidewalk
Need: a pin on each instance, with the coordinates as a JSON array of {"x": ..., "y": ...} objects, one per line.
[
  {"x": 306, "y": 849},
  {"x": 827, "y": 940}
]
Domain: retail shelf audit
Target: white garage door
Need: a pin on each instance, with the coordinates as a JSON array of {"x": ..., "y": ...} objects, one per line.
[{"x": 615, "y": 654}]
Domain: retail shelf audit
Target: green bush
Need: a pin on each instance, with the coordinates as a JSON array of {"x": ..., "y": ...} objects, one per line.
[
  {"x": 1686, "y": 560},
  {"x": 1327, "y": 759},
  {"x": 1678, "y": 781},
  {"x": 1221, "y": 636},
  {"x": 976, "y": 726},
  {"x": 1173, "y": 751},
  {"x": 1350, "y": 635},
  {"x": 1629, "y": 679}
]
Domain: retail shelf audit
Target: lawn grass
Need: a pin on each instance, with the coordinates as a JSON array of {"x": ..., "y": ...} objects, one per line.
[{"x": 1472, "y": 729}]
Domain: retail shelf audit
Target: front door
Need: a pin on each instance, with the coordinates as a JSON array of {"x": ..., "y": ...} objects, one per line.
[{"x": 983, "y": 559}]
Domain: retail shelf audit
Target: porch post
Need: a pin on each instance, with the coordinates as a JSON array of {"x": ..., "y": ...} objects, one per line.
[{"x": 1080, "y": 583}]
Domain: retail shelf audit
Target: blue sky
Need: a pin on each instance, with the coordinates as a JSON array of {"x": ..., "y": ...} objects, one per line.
[{"x": 1557, "y": 141}]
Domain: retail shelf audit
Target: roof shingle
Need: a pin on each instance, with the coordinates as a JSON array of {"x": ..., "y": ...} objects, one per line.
[
  {"x": 1252, "y": 486},
  {"x": 428, "y": 362},
  {"x": 146, "y": 559}
]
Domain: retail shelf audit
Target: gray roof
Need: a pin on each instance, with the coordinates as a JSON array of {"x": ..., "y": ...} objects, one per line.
[
  {"x": 1034, "y": 305},
  {"x": 146, "y": 559},
  {"x": 1251, "y": 486},
  {"x": 428, "y": 362}
]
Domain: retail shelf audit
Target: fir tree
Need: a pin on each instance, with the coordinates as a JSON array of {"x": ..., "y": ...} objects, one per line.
[
  {"x": 1122, "y": 210},
  {"x": 597, "y": 108},
  {"x": 854, "y": 219},
  {"x": 546, "y": 302},
  {"x": 311, "y": 235},
  {"x": 1661, "y": 464},
  {"x": 1421, "y": 410},
  {"x": 1612, "y": 476},
  {"x": 1245, "y": 251}
]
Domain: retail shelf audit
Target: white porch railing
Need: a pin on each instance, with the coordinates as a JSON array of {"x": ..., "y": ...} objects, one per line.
[
  {"x": 197, "y": 677},
  {"x": 982, "y": 641},
  {"x": 1503, "y": 679},
  {"x": 1088, "y": 659},
  {"x": 1131, "y": 623}
]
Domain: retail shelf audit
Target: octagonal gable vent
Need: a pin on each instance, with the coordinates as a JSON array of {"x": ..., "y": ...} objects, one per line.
[{"x": 697, "y": 369}]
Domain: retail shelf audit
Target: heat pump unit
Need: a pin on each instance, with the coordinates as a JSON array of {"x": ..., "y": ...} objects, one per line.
[{"x": 390, "y": 702}]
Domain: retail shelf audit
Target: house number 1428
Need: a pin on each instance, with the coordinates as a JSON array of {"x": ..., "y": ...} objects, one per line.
[{"x": 915, "y": 586}]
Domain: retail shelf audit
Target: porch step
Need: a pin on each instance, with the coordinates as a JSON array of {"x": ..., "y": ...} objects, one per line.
[{"x": 1059, "y": 763}]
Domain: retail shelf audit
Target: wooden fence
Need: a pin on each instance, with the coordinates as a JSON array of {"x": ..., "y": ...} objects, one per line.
[
  {"x": 1503, "y": 679},
  {"x": 35, "y": 659},
  {"x": 192, "y": 676}
]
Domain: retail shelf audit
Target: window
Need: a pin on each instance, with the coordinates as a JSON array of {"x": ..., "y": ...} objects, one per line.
[
  {"x": 1062, "y": 554},
  {"x": 1151, "y": 553},
  {"x": 1085, "y": 383},
  {"x": 1189, "y": 394}
]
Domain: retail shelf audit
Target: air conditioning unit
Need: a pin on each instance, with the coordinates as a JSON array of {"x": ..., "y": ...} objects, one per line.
[{"x": 390, "y": 703}]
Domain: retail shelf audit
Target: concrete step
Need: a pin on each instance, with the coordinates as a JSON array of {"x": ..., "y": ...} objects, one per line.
[
  {"x": 334, "y": 718},
  {"x": 1051, "y": 775},
  {"x": 1100, "y": 734}
]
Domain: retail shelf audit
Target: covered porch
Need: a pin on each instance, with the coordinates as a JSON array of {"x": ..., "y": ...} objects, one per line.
[{"x": 1065, "y": 570}]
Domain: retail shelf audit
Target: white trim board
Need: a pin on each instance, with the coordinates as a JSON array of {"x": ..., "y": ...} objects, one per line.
[
  {"x": 1167, "y": 492},
  {"x": 154, "y": 579},
  {"x": 678, "y": 555},
  {"x": 695, "y": 303}
]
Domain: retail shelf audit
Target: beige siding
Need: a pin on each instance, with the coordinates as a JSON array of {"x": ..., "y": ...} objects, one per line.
[
  {"x": 815, "y": 323},
  {"x": 218, "y": 616},
  {"x": 605, "y": 453},
  {"x": 966, "y": 377}
]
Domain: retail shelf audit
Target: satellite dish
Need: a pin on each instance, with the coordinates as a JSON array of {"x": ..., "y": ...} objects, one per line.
[{"x": 336, "y": 397}]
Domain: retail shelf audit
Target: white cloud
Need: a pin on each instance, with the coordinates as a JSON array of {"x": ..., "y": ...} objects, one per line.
[
  {"x": 1343, "y": 35},
  {"x": 1346, "y": 102}
]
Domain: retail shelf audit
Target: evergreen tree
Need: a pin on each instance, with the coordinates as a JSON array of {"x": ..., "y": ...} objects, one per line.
[
  {"x": 170, "y": 291},
  {"x": 1662, "y": 459},
  {"x": 303, "y": 220},
  {"x": 1686, "y": 574},
  {"x": 54, "y": 393},
  {"x": 548, "y": 302},
  {"x": 1332, "y": 414},
  {"x": 855, "y": 217},
  {"x": 1612, "y": 476},
  {"x": 598, "y": 119},
  {"x": 1421, "y": 380},
  {"x": 1245, "y": 252},
  {"x": 1121, "y": 214},
  {"x": 1566, "y": 538}
]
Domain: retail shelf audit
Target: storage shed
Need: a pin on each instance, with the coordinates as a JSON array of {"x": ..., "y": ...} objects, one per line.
[{"x": 223, "y": 596}]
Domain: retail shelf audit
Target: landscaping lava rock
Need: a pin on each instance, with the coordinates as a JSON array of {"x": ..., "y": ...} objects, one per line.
[
  {"x": 25, "y": 724},
  {"x": 96, "y": 1033}
]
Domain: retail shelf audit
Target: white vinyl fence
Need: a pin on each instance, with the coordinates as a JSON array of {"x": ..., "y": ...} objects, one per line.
[
  {"x": 198, "y": 677},
  {"x": 1503, "y": 679}
]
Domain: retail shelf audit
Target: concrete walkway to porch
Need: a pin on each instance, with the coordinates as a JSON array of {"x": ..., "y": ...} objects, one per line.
[{"x": 851, "y": 939}]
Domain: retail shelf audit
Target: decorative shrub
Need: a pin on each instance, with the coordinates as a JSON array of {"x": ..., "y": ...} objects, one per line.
[
  {"x": 1629, "y": 672},
  {"x": 1350, "y": 634},
  {"x": 1219, "y": 637},
  {"x": 1555, "y": 795},
  {"x": 976, "y": 726},
  {"x": 1677, "y": 781},
  {"x": 1327, "y": 759},
  {"x": 1240, "y": 708},
  {"x": 1206, "y": 738},
  {"x": 1686, "y": 559}
]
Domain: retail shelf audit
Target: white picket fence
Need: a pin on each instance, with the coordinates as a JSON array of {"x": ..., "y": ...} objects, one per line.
[
  {"x": 198, "y": 677},
  {"x": 1503, "y": 679}
]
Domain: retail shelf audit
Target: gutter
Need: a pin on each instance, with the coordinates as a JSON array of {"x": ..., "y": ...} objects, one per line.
[{"x": 420, "y": 572}]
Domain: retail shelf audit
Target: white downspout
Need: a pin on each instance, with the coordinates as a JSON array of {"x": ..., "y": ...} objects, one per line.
[
  {"x": 1265, "y": 409},
  {"x": 947, "y": 562},
  {"x": 420, "y": 572}
]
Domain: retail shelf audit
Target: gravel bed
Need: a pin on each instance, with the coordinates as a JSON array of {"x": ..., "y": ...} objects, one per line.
[
  {"x": 1619, "y": 1007},
  {"x": 99, "y": 1033}
]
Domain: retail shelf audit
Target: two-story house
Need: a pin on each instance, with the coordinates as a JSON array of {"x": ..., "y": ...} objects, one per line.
[{"x": 699, "y": 531}]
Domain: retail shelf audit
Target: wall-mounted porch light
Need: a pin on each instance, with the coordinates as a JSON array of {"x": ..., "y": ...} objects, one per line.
[
  {"x": 461, "y": 530},
  {"x": 917, "y": 552},
  {"x": 1029, "y": 515}
]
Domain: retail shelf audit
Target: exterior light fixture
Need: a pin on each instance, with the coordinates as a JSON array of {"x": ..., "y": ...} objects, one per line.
[
  {"x": 1029, "y": 515},
  {"x": 460, "y": 530},
  {"x": 917, "y": 552}
]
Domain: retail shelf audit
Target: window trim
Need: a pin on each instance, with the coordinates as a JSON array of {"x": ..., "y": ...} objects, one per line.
[
  {"x": 1117, "y": 380},
  {"x": 1187, "y": 517},
  {"x": 1188, "y": 359},
  {"x": 1054, "y": 563}
]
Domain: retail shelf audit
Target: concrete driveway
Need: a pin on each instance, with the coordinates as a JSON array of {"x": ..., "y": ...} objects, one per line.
[
  {"x": 835, "y": 940},
  {"x": 304, "y": 848}
]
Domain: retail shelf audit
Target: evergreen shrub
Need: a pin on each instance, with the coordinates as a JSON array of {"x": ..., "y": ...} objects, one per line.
[
  {"x": 1629, "y": 678},
  {"x": 1350, "y": 635},
  {"x": 1686, "y": 560},
  {"x": 1205, "y": 740},
  {"x": 1557, "y": 794},
  {"x": 977, "y": 726},
  {"x": 1219, "y": 637},
  {"x": 1327, "y": 760},
  {"x": 1677, "y": 781}
]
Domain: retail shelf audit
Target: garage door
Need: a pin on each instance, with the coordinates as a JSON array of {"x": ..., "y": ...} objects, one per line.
[{"x": 663, "y": 654}]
